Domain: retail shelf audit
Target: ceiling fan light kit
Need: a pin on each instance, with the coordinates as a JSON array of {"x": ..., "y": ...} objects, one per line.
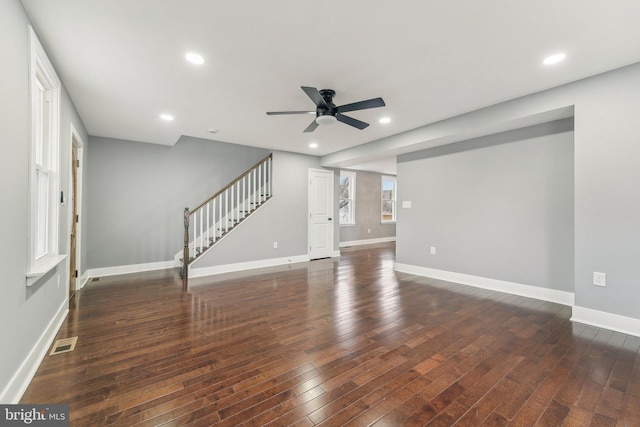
[
  {"x": 328, "y": 113},
  {"x": 326, "y": 119}
]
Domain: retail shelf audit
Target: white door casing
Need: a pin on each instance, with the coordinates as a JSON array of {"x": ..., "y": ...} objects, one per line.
[
  {"x": 77, "y": 143},
  {"x": 320, "y": 213}
]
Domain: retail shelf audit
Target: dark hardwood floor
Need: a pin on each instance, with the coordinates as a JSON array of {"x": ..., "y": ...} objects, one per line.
[{"x": 333, "y": 343}]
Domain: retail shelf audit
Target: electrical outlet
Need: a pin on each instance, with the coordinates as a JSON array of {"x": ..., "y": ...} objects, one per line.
[
  {"x": 432, "y": 251},
  {"x": 599, "y": 279},
  {"x": 368, "y": 230},
  {"x": 275, "y": 245}
]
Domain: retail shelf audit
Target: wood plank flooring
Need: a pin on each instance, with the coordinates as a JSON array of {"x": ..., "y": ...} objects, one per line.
[{"x": 333, "y": 343}]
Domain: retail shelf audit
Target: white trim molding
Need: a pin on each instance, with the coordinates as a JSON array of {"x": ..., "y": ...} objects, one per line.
[
  {"x": 394, "y": 199},
  {"x": 194, "y": 272},
  {"x": 75, "y": 141},
  {"x": 128, "y": 269},
  {"x": 18, "y": 384},
  {"x": 44, "y": 154},
  {"x": 352, "y": 196},
  {"x": 241, "y": 266},
  {"x": 536, "y": 292},
  {"x": 368, "y": 241},
  {"x": 601, "y": 319},
  {"x": 83, "y": 280}
]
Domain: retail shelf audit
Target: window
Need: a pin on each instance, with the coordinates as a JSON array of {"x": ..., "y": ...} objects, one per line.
[
  {"x": 347, "y": 198},
  {"x": 388, "y": 199},
  {"x": 44, "y": 89}
]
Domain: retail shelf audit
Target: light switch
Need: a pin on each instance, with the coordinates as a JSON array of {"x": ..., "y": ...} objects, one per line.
[{"x": 599, "y": 279}]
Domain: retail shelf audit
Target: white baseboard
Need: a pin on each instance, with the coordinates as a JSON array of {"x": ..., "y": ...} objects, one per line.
[
  {"x": 84, "y": 279},
  {"x": 18, "y": 384},
  {"x": 545, "y": 294},
  {"x": 368, "y": 241},
  {"x": 601, "y": 319},
  {"x": 195, "y": 271},
  {"x": 128, "y": 269},
  {"x": 241, "y": 266}
]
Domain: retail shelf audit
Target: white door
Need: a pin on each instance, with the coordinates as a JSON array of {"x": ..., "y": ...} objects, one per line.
[{"x": 320, "y": 213}]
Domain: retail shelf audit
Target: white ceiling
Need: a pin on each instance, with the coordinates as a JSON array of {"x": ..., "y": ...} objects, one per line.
[{"x": 122, "y": 61}]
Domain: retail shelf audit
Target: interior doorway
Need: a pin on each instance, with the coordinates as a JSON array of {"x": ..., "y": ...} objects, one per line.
[
  {"x": 320, "y": 213},
  {"x": 75, "y": 197}
]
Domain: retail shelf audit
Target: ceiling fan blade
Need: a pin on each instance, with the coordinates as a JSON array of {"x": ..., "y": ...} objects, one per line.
[
  {"x": 311, "y": 127},
  {"x": 362, "y": 105},
  {"x": 315, "y": 96},
  {"x": 351, "y": 121},
  {"x": 279, "y": 113}
]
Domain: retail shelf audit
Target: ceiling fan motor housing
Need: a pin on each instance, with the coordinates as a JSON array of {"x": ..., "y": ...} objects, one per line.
[
  {"x": 327, "y": 95},
  {"x": 327, "y": 112}
]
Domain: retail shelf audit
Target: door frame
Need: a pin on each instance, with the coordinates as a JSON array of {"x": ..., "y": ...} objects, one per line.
[
  {"x": 75, "y": 141},
  {"x": 331, "y": 202}
]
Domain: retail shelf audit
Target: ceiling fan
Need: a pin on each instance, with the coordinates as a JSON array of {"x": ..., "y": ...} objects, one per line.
[{"x": 327, "y": 112}]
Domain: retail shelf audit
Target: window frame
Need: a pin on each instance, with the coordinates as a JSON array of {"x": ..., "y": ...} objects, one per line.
[
  {"x": 44, "y": 163},
  {"x": 350, "y": 200},
  {"x": 394, "y": 200}
]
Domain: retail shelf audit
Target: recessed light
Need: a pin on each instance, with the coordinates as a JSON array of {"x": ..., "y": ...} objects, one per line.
[
  {"x": 385, "y": 120},
  {"x": 212, "y": 130},
  {"x": 167, "y": 117},
  {"x": 194, "y": 58},
  {"x": 313, "y": 145},
  {"x": 554, "y": 59}
]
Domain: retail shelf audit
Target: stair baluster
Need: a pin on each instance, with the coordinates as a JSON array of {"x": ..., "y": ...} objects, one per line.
[{"x": 206, "y": 224}]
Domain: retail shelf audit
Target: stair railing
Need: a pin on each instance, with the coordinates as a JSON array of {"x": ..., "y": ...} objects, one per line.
[{"x": 214, "y": 218}]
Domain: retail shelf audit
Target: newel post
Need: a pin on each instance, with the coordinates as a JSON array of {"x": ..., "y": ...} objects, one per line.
[{"x": 185, "y": 251}]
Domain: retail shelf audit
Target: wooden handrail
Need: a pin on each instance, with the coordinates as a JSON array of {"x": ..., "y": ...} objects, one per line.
[
  {"x": 230, "y": 184},
  {"x": 259, "y": 189}
]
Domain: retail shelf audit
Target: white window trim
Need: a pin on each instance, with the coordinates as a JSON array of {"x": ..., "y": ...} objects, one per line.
[
  {"x": 352, "y": 188},
  {"x": 395, "y": 198},
  {"x": 41, "y": 70}
]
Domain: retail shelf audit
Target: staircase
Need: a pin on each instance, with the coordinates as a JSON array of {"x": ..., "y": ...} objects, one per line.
[{"x": 216, "y": 217}]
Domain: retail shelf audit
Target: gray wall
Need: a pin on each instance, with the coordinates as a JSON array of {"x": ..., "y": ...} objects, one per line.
[
  {"x": 606, "y": 177},
  {"x": 368, "y": 210},
  {"x": 24, "y": 312},
  {"x": 499, "y": 207},
  {"x": 607, "y": 188},
  {"x": 284, "y": 219},
  {"x": 139, "y": 192}
]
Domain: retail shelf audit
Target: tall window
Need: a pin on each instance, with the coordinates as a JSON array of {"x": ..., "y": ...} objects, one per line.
[
  {"x": 44, "y": 88},
  {"x": 388, "y": 199},
  {"x": 347, "y": 198}
]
